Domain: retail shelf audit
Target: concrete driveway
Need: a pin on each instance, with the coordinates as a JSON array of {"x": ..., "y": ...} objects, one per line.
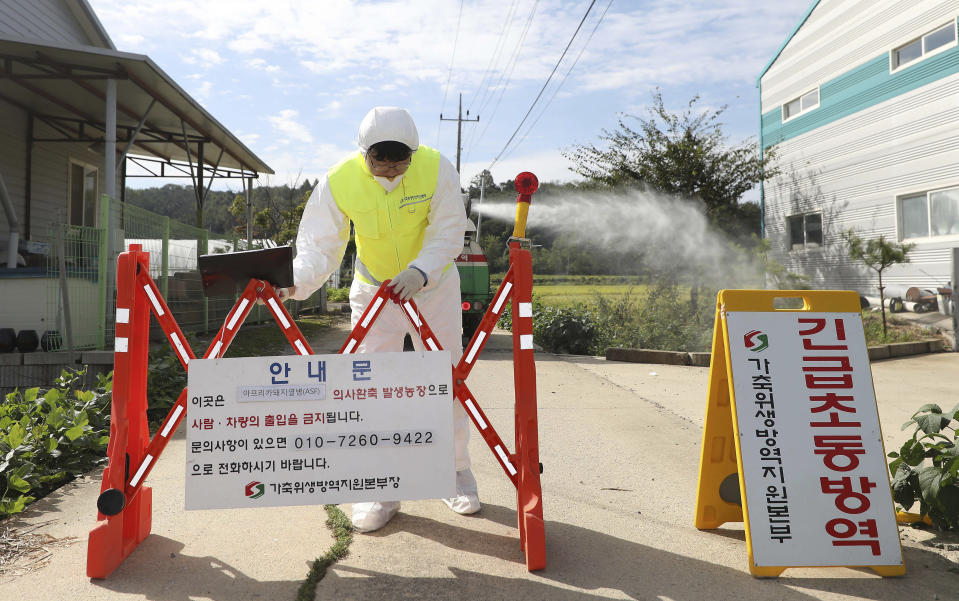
[{"x": 620, "y": 443}]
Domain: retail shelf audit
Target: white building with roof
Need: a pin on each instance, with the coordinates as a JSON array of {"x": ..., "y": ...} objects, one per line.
[{"x": 75, "y": 112}]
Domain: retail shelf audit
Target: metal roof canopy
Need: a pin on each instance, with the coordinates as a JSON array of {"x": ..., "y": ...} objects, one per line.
[{"x": 65, "y": 87}]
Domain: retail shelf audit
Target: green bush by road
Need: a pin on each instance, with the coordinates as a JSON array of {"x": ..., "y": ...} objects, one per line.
[
  {"x": 49, "y": 438},
  {"x": 587, "y": 319}
]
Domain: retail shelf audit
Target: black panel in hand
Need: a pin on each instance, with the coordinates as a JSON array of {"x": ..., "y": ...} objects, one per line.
[{"x": 226, "y": 274}]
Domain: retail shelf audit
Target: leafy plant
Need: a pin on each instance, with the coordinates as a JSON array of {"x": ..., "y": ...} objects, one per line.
[
  {"x": 926, "y": 468},
  {"x": 342, "y": 530},
  {"x": 776, "y": 273},
  {"x": 49, "y": 438},
  {"x": 558, "y": 329},
  {"x": 898, "y": 330}
]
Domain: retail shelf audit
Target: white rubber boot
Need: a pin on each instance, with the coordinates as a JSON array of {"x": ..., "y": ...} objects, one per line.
[
  {"x": 368, "y": 517},
  {"x": 466, "y": 500}
]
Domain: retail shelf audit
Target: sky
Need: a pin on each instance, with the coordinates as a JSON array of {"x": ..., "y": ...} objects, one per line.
[{"x": 293, "y": 79}]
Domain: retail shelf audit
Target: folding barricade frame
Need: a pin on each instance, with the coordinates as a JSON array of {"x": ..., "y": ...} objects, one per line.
[{"x": 125, "y": 503}]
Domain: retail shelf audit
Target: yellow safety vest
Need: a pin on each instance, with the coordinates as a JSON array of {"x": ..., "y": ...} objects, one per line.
[{"x": 389, "y": 226}]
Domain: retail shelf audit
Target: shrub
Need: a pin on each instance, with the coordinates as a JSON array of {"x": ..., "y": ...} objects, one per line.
[
  {"x": 48, "y": 439},
  {"x": 338, "y": 295},
  {"x": 558, "y": 330},
  {"x": 570, "y": 330},
  {"x": 664, "y": 320},
  {"x": 926, "y": 467}
]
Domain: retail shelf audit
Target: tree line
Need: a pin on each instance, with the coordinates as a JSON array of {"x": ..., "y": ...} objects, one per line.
[{"x": 276, "y": 209}]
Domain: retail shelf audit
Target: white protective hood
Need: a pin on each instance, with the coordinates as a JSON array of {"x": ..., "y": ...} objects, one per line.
[{"x": 387, "y": 124}]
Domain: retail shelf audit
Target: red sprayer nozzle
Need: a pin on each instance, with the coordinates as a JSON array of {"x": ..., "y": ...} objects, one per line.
[{"x": 526, "y": 183}]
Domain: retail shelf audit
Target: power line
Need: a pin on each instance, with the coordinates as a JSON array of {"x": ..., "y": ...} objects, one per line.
[
  {"x": 504, "y": 33},
  {"x": 511, "y": 62},
  {"x": 511, "y": 65},
  {"x": 548, "y": 79},
  {"x": 557, "y": 88},
  {"x": 449, "y": 76},
  {"x": 490, "y": 91}
]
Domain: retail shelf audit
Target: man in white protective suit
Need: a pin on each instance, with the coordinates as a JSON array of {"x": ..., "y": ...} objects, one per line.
[{"x": 405, "y": 204}]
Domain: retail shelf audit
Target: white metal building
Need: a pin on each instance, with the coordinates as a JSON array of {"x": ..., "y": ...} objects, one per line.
[{"x": 862, "y": 105}]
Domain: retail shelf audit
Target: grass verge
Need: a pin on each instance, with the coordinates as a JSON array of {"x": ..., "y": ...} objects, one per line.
[
  {"x": 343, "y": 534},
  {"x": 897, "y": 330}
]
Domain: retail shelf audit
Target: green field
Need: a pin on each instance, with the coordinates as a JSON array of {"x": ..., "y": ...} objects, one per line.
[
  {"x": 569, "y": 290},
  {"x": 566, "y": 295}
]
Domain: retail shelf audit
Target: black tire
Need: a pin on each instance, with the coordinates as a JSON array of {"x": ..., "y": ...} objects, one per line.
[{"x": 27, "y": 341}]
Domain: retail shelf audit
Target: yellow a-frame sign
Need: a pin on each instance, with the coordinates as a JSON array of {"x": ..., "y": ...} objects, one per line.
[{"x": 791, "y": 444}]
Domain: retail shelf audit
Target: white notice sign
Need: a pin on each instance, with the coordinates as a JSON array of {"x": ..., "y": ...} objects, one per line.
[
  {"x": 817, "y": 489},
  {"x": 315, "y": 429}
]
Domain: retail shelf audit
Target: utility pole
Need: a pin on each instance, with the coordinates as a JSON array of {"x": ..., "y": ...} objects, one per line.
[{"x": 459, "y": 130}]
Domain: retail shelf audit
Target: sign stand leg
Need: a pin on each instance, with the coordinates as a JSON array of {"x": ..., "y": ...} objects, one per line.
[{"x": 719, "y": 491}]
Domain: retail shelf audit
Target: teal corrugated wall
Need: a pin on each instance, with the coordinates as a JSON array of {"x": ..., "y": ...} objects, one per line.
[{"x": 863, "y": 87}]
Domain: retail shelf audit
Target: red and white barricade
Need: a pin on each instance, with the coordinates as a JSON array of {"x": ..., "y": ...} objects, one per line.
[{"x": 125, "y": 503}]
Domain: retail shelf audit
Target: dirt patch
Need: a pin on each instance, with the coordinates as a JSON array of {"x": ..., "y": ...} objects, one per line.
[
  {"x": 23, "y": 550},
  {"x": 945, "y": 544}
]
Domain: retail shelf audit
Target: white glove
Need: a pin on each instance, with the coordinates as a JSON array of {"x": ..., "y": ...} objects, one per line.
[
  {"x": 407, "y": 283},
  {"x": 283, "y": 294}
]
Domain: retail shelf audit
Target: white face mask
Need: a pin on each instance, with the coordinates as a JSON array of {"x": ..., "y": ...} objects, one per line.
[{"x": 389, "y": 183}]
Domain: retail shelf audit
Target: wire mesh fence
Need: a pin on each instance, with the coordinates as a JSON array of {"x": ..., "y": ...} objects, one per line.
[
  {"x": 75, "y": 275},
  {"x": 81, "y": 273}
]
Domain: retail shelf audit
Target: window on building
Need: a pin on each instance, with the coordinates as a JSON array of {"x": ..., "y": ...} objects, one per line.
[
  {"x": 800, "y": 105},
  {"x": 805, "y": 231},
  {"x": 930, "y": 43},
  {"x": 82, "y": 204},
  {"x": 929, "y": 214},
  {"x": 914, "y": 212}
]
